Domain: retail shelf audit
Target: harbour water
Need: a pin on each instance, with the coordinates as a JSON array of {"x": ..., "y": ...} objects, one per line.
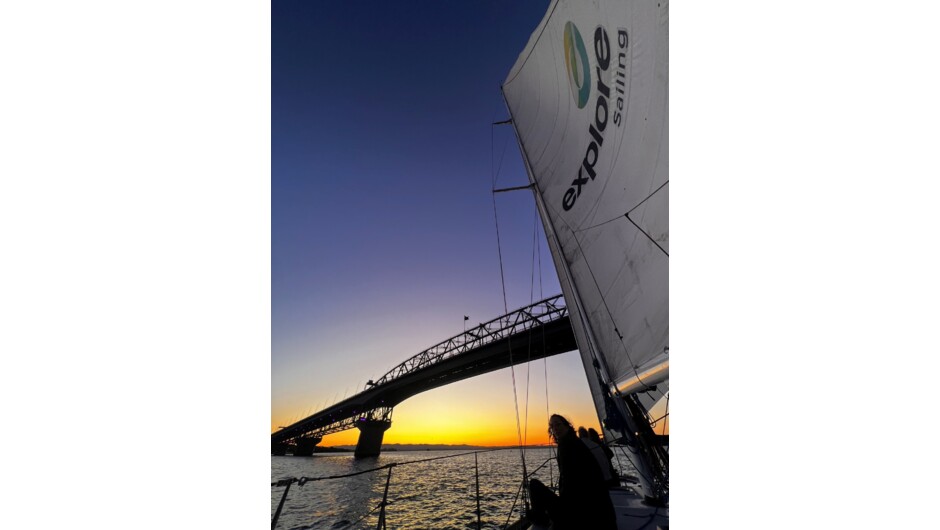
[{"x": 438, "y": 494}]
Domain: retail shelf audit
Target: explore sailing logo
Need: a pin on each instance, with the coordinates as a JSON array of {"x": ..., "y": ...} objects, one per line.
[{"x": 579, "y": 77}]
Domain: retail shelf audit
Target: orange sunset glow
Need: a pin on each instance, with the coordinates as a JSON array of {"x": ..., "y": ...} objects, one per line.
[{"x": 480, "y": 411}]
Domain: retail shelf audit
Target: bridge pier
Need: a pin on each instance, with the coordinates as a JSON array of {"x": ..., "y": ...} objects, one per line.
[
  {"x": 305, "y": 446},
  {"x": 278, "y": 449},
  {"x": 371, "y": 433}
]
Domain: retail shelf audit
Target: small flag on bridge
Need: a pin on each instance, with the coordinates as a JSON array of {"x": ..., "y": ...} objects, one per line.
[{"x": 465, "y": 317}]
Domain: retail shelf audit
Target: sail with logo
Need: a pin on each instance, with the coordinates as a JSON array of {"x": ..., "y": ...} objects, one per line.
[{"x": 588, "y": 98}]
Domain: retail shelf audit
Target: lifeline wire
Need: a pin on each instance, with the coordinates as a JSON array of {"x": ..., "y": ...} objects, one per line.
[{"x": 283, "y": 482}]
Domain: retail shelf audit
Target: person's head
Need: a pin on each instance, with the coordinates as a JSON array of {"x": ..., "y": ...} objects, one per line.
[
  {"x": 582, "y": 432},
  {"x": 558, "y": 426},
  {"x": 592, "y": 434}
]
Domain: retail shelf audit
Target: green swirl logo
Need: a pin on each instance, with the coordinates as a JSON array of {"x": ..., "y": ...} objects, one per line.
[{"x": 579, "y": 77}]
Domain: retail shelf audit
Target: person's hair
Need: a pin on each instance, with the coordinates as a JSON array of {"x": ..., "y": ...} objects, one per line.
[
  {"x": 559, "y": 417},
  {"x": 582, "y": 432},
  {"x": 592, "y": 434}
]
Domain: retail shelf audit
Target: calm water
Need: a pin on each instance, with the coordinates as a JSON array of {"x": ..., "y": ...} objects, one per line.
[{"x": 437, "y": 494}]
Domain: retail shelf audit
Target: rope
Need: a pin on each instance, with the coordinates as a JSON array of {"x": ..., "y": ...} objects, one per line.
[{"x": 285, "y": 481}]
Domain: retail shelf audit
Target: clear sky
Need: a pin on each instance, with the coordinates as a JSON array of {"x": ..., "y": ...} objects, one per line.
[{"x": 383, "y": 226}]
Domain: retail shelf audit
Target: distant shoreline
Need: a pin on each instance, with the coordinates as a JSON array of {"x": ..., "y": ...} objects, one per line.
[
  {"x": 422, "y": 447},
  {"x": 435, "y": 447}
]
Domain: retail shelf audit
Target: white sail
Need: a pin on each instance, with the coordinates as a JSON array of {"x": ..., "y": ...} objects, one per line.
[{"x": 589, "y": 102}]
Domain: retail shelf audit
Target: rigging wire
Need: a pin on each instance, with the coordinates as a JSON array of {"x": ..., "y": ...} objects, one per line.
[
  {"x": 495, "y": 169},
  {"x": 502, "y": 281},
  {"x": 548, "y": 414},
  {"x": 528, "y": 365}
]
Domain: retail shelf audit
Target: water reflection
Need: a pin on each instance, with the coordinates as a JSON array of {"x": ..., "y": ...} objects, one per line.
[{"x": 436, "y": 494}]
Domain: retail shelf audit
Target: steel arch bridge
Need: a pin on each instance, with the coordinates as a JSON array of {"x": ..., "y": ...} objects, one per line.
[{"x": 532, "y": 332}]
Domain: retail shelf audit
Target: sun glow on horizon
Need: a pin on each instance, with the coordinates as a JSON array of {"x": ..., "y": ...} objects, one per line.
[{"x": 480, "y": 411}]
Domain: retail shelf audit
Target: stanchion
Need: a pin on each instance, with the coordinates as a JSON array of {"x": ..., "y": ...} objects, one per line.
[
  {"x": 381, "y": 525},
  {"x": 476, "y": 467},
  {"x": 281, "y": 504}
]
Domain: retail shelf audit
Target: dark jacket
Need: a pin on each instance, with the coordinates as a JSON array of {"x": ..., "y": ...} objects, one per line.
[{"x": 581, "y": 486}]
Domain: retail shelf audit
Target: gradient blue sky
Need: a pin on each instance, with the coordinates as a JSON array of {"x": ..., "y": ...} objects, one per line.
[{"x": 383, "y": 228}]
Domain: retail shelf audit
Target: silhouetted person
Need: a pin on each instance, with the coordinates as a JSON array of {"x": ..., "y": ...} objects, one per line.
[
  {"x": 615, "y": 477},
  {"x": 592, "y": 434},
  {"x": 582, "y": 500},
  {"x": 598, "y": 453}
]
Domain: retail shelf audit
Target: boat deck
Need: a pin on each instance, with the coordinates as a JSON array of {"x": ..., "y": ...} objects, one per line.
[{"x": 632, "y": 513}]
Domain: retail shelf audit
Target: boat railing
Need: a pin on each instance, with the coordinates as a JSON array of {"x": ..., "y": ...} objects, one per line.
[{"x": 286, "y": 483}]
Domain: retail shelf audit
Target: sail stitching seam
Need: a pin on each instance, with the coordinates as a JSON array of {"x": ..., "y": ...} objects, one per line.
[
  {"x": 596, "y": 286},
  {"x": 645, "y": 233},
  {"x": 628, "y": 211}
]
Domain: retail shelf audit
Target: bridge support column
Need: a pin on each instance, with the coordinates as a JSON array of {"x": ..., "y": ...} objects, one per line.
[
  {"x": 305, "y": 446},
  {"x": 371, "y": 433},
  {"x": 278, "y": 449}
]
